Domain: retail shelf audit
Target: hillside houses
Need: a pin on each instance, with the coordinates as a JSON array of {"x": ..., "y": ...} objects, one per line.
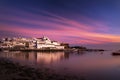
[{"x": 31, "y": 43}]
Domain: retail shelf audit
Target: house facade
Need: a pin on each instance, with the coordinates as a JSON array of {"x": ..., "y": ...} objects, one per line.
[{"x": 33, "y": 43}]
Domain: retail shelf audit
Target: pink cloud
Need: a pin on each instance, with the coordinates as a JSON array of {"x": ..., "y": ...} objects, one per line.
[{"x": 62, "y": 28}]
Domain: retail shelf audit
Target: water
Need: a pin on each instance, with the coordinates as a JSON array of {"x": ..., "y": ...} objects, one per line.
[{"x": 91, "y": 65}]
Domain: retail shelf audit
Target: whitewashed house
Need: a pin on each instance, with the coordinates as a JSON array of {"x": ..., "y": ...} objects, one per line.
[
  {"x": 45, "y": 42},
  {"x": 33, "y": 43}
]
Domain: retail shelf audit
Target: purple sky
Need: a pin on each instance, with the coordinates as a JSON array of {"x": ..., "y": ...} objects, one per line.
[{"x": 73, "y": 21}]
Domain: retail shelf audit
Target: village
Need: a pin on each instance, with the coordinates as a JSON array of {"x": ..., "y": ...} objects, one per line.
[{"x": 43, "y": 43}]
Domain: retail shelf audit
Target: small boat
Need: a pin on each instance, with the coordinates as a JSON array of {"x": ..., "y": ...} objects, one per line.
[{"x": 116, "y": 53}]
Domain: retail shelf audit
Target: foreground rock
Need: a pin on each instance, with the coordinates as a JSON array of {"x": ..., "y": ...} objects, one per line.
[{"x": 15, "y": 71}]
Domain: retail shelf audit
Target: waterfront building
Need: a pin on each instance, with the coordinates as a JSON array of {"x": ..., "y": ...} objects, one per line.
[
  {"x": 33, "y": 43},
  {"x": 45, "y": 42}
]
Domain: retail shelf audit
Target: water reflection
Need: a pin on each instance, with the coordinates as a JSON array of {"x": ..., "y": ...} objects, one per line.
[
  {"x": 74, "y": 61},
  {"x": 88, "y": 63},
  {"x": 37, "y": 57}
]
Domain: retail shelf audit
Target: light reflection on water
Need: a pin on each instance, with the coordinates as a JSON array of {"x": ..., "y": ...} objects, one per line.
[
  {"x": 44, "y": 58},
  {"x": 90, "y": 64}
]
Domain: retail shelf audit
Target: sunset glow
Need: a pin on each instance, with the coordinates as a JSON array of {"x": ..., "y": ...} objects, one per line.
[{"x": 36, "y": 22}]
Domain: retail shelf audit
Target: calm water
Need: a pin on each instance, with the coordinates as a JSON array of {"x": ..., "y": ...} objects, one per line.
[{"x": 91, "y": 65}]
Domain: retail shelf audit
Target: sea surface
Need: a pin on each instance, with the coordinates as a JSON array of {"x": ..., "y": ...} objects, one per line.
[{"x": 89, "y": 65}]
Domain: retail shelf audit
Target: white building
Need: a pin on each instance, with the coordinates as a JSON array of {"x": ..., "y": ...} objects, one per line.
[
  {"x": 45, "y": 42},
  {"x": 39, "y": 43}
]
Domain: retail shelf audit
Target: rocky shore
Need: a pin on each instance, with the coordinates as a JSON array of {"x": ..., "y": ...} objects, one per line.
[{"x": 14, "y": 71}]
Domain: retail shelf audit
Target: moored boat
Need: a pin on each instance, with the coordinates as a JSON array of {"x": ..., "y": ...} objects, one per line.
[{"x": 116, "y": 53}]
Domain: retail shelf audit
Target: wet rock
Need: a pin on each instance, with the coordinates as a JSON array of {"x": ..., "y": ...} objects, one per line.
[{"x": 14, "y": 71}]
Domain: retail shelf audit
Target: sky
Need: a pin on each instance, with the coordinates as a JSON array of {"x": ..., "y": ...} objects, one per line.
[{"x": 73, "y": 21}]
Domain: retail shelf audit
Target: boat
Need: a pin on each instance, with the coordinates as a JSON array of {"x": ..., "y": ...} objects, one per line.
[{"x": 116, "y": 53}]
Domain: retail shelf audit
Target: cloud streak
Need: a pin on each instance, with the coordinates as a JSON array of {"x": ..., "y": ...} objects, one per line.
[{"x": 58, "y": 27}]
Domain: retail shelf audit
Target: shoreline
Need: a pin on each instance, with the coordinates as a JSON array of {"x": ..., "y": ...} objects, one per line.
[
  {"x": 52, "y": 50},
  {"x": 14, "y": 71}
]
